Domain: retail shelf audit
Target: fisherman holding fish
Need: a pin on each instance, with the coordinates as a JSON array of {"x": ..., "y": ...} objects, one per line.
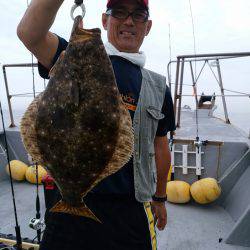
[{"x": 130, "y": 202}]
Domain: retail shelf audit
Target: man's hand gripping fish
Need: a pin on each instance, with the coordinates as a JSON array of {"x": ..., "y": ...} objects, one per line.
[{"x": 79, "y": 127}]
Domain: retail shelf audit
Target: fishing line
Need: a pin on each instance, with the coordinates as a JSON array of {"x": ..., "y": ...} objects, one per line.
[
  {"x": 33, "y": 240},
  {"x": 171, "y": 138},
  {"x": 17, "y": 227},
  {"x": 195, "y": 65},
  {"x": 44, "y": 83},
  {"x": 170, "y": 55},
  {"x": 194, "y": 38},
  {"x": 32, "y": 68},
  {"x": 38, "y": 215},
  {"x": 198, "y": 143}
]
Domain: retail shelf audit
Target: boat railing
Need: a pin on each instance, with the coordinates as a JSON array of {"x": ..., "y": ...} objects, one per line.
[
  {"x": 212, "y": 60},
  {"x": 10, "y": 95}
]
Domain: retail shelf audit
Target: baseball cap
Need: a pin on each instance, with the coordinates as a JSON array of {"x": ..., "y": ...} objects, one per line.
[{"x": 144, "y": 3}]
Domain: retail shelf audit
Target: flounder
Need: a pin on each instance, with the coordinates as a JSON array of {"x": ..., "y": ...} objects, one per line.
[{"x": 79, "y": 127}]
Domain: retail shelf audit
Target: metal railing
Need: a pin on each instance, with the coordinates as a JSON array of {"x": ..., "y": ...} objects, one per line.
[
  {"x": 206, "y": 58},
  {"x": 8, "y": 94}
]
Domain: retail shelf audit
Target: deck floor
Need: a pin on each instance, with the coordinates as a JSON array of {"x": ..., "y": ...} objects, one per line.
[
  {"x": 190, "y": 226},
  {"x": 25, "y": 196},
  {"x": 210, "y": 128},
  {"x": 196, "y": 227}
]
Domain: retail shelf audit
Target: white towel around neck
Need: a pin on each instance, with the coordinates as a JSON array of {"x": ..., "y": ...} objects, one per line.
[{"x": 136, "y": 58}]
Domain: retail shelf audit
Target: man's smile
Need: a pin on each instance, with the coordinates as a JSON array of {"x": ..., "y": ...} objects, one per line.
[{"x": 127, "y": 33}]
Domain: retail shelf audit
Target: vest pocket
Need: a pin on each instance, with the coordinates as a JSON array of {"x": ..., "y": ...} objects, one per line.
[{"x": 155, "y": 113}]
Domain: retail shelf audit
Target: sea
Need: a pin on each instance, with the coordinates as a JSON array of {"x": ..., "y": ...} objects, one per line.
[{"x": 239, "y": 119}]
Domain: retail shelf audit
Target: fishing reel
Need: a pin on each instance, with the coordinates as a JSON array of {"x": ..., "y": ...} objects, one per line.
[
  {"x": 198, "y": 143},
  {"x": 36, "y": 224}
]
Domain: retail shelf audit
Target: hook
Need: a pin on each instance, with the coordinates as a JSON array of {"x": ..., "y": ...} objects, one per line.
[{"x": 74, "y": 8}]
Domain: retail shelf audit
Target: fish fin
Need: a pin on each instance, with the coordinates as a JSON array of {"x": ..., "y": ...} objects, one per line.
[
  {"x": 63, "y": 207},
  {"x": 77, "y": 21},
  {"x": 124, "y": 145},
  {"x": 78, "y": 34}
]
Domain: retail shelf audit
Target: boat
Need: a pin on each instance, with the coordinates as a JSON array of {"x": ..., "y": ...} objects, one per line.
[
  {"x": 202, "y": 146},
  {"x": 208, "y": 146}
]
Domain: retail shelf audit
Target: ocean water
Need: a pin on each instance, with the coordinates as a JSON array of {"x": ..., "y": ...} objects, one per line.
[{"x": 239, "y": 119}]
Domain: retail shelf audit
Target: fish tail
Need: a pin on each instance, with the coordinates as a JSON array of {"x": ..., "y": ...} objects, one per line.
[{"x": 83, "y": 210}]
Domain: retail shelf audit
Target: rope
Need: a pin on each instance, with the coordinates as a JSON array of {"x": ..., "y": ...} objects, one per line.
[
  {"x": 196, "y": 80},
  {"x": 213, "y": 73},
  {"x": 17, "y": 227},
  {"x": 233, "y": 91}
]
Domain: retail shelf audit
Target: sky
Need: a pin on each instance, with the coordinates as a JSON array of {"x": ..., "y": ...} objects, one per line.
[{"x": 220, "y": 26}]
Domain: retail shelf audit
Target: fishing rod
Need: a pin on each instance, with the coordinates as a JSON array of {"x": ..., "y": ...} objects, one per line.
[
  {"x": 36, "y": 223},
  {"x": 17, "y": 227},
  {"x": 198, "y": 143}
]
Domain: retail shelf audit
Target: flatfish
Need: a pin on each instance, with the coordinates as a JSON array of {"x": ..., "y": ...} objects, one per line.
[{"x": 79, "y": 127}]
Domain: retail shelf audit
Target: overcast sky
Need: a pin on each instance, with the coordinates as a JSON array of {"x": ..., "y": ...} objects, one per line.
[{"x": 220, "y": 26}]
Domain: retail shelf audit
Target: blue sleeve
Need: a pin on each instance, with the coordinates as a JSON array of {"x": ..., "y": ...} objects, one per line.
[
  {"x": 168, "y": 122},
  {"x": 62, "y": 45}
]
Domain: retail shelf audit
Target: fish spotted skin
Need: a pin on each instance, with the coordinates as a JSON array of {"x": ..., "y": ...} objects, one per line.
[{"x": 81, "y": 129}]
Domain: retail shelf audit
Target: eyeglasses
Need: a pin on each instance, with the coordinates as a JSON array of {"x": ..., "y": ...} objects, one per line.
[{"x": 137, "y": 15}]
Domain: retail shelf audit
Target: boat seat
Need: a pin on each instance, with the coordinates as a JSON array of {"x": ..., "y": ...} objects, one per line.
[{"x": 206, "y": 101}]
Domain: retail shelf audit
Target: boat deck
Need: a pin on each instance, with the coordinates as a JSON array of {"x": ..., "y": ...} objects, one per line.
[
  {"x": 196, "y": 227},
  {"x": 210, "y": 128},
  {"x": 25, "y": 196},
  {"x": 190, "y": 226}
]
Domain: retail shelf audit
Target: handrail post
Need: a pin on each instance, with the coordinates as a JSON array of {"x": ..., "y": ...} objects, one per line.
[
  {"x": 180, "y": 93},
  {"x": 176, "y": 87},
  {"x": 222, "y": 91},
  {"x": 12, "y": 124}
]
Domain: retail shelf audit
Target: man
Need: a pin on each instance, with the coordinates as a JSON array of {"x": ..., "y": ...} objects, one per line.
[{"x": 122, "y": 201}]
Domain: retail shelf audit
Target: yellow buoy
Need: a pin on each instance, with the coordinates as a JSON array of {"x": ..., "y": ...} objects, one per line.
[
  {"x": 31, "y": 174},
  {"x": 178, "y": 191},
  {"x": 18, "y": 170},
  {"x": 205, "y": 190}
]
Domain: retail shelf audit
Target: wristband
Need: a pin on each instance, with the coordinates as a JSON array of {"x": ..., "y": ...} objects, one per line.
[{"x": 159, "y": 199}]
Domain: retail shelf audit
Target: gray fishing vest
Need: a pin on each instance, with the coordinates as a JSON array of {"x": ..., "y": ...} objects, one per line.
[{"x": 145, "y": 123}]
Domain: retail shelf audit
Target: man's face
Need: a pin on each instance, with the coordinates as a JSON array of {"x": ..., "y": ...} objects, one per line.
[{"x": 125, "y": 34}]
